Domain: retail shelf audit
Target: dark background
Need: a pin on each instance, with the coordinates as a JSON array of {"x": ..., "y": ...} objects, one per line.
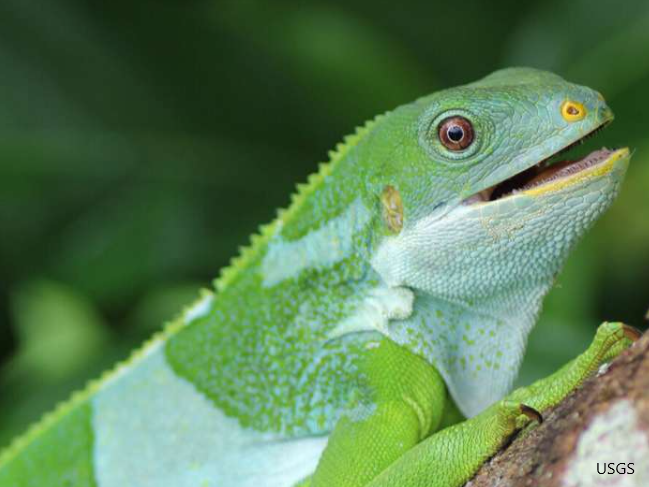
[{"x": 141, "y": 142}]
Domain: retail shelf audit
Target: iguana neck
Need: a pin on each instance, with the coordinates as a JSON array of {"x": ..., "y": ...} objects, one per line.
[{"x": 477, "y": 347}]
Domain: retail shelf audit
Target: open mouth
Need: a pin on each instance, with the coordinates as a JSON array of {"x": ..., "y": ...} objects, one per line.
[{"x": 544, "y": 172}]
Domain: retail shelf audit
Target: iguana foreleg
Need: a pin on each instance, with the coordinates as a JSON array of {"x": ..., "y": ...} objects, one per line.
[{"x": 396, "y": 434}]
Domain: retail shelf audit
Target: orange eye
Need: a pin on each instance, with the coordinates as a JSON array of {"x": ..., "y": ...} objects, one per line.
[
  {"x": 456, "y": 133},
  {"x": 572, "y": 111}
]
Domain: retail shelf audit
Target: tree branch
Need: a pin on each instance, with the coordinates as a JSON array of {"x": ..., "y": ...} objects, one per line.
[{"x": 606, "y": 421}]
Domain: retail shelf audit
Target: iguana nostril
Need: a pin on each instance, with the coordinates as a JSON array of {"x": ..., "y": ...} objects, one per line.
[{"x": 573, "y": 111}]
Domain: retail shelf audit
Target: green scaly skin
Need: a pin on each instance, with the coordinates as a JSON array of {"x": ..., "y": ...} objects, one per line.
[{"x": 390, "y": 300}]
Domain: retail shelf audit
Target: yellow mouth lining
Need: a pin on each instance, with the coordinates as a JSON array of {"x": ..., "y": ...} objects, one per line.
[{"x": 597, "y": 170}]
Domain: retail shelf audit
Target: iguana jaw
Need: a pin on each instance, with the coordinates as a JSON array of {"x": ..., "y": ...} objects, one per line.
[{"x": 548, "y": 175}]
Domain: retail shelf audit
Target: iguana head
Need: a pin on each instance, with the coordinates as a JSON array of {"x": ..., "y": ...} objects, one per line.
[{"x": 480, "y": 211}]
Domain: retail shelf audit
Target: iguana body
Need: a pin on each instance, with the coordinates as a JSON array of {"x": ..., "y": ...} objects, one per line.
[{"x": 402, "y": 281}]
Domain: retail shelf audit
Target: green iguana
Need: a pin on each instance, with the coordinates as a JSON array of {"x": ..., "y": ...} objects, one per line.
[{"x": 393, "y": 298}]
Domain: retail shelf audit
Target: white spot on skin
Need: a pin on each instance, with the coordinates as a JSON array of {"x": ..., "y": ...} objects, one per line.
[
  {"x": 126, "y": 367},
  {"x": 199, "y": 309},
  {"x": 320, "y": 248},
  {"x": 153, "y": 428},
  {"x": 361, "y": 412},
  {"x": 381, "y": 305},
  {"x": 612, "y": 437}
]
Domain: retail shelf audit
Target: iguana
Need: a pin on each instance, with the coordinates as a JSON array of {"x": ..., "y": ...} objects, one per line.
[{"x": 389, "y": 301}]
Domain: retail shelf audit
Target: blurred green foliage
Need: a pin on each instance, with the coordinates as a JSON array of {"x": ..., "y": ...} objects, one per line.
[{"x": 142, "y": 142}]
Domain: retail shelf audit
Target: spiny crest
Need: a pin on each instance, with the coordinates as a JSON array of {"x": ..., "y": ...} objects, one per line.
[
  {"x": 47, "y": 420},
  {"x": 303, "y": 190},
  {"x": 227, "y": 274},
  {"x": 77, "y": 398}
]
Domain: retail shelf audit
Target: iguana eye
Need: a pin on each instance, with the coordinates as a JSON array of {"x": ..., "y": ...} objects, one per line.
[{"x": 456, "y": 133}]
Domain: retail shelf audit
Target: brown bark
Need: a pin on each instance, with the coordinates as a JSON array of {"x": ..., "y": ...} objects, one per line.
[{"x": 604, "y": 421}]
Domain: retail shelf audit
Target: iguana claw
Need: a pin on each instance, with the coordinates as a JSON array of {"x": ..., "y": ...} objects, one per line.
[
  {"x": 632, "y": 333},
  {"x": 531, "y": 413}
]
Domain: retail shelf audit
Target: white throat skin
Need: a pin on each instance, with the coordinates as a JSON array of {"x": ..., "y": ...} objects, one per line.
[
  {"x": 479, "y": 275},
  {"x": 478, "y": 350}
]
